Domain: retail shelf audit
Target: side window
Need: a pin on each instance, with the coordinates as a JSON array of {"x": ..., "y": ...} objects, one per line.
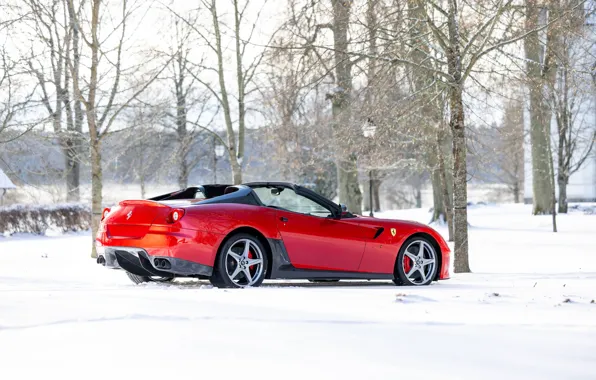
[{"x": 287, "y": 199}]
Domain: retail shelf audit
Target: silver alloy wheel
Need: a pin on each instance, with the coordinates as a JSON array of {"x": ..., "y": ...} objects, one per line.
[
  {"x": 419, "y": 262},
  {"x": 244, "y": 263}
]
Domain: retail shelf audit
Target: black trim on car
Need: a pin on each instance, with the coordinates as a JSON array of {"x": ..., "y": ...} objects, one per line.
[
  {"x": 279, "y": 258},
  {"x": 311, "y": 274},
  {"x": 234, "y": 194},
  {"x": 209, "y": 191}
]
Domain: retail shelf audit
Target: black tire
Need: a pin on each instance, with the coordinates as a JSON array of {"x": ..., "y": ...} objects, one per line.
[
  {"x": 226, "y": 263},
  {"x": 421, "y": 271},
  {"x": 141, "y": 279}
]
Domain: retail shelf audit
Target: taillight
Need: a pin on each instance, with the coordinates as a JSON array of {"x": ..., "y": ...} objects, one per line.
[
  {"x": 175, "y": 215},
  {"x": 105, "y": 213}
]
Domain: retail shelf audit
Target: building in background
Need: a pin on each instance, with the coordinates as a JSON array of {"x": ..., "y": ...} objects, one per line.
[{"x": 5, "y": 184}]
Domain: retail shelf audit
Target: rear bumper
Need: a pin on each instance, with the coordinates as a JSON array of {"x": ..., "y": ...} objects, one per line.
[{"x": 138, "y": 261}]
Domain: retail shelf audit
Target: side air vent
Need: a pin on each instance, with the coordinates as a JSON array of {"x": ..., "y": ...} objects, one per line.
[{"x": 379, "y": 232}]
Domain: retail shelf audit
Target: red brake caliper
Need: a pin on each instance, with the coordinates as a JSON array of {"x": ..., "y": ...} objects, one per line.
[
  {"x": 250, "y": 256},
  {"x": 407, "y": 264}
]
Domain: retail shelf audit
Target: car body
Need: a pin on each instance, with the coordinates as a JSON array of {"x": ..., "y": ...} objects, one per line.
[{"x": 271, "y": 230}]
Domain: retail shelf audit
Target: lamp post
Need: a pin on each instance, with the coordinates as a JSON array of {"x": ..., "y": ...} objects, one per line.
[
  {"x": 218, "y": 152},
  {"x": 369, "y": 132}
]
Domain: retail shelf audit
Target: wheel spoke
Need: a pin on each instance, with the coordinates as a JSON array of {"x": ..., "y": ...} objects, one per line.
[
  {"x": 234, "y": 255},
  {"x": 421, "y": 250},
  {"x": 236, "y": 272},
  {"x": 411, "y": 255},
  {"x": 246, "y": 249},
  {"x": 248, "y": 276},
  {"x": 423, "y": 275},
  {"x": 426, "y": 262},
  {"x": 252, "y": 262},
  {"x": 412, "y": 271}
]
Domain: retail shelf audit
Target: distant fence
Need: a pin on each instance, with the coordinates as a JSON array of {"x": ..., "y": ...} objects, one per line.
[{"x": 36, "y": 219}]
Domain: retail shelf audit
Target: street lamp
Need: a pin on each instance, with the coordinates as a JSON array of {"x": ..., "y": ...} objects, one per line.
[
  {"x": 368, "y": 130},
  {"x": 219, "y": 152}
]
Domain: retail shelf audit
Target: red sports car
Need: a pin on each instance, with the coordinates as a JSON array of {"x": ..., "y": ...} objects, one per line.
[{"x": 240, "y": 235}]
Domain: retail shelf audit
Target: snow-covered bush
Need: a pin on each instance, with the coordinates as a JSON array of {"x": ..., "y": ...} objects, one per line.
[{"x": 38, "y": 219}]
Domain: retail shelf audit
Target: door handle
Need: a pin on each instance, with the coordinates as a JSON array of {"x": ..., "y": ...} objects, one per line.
[{"x": 283, "y": 219}]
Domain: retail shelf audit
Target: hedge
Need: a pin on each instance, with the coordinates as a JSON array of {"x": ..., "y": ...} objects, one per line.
[{"x": 37, "y": 219}]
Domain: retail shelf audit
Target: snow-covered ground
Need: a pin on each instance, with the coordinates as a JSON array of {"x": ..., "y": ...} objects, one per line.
[{"x": 527, "y": 312}]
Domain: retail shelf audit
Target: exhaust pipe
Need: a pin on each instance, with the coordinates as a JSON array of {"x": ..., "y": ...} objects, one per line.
[
  {"x": 101, "y": 260},
  {"x": 162, "y": 264}
]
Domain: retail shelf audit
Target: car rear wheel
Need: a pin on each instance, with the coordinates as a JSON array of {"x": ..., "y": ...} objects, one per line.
[
  {"x": 141, "y": 279},
  {"x": 417, "y": 262},
  {"x": 242, "y": 262}
]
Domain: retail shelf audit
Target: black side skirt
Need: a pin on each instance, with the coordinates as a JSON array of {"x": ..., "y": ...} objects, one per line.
[{"x": 282, "y": 268}]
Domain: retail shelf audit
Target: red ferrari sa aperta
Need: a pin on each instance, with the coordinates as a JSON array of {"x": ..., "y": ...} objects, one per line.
[{"x": 238, "y": 236}]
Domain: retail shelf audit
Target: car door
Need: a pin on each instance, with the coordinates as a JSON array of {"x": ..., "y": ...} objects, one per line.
[{"x": 312, "y": 238}]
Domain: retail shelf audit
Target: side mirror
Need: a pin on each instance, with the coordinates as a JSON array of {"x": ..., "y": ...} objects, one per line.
[{"x": 344, "y": 211}]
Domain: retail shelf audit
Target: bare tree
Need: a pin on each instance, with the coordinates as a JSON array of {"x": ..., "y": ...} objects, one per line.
[
  {"x": 246, "y": 63},
  {"x": 187, "y": 99},
  {"x": 509, "y": 149},
  {"x": 102, "y": 112},
  {"x": 53, "y": 27},
  {"x": 15, "y": 100},
  {"x": 569, "y": 94}
]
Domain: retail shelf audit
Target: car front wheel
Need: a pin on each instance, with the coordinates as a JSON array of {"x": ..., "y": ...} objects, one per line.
[{"x": 417, "y": 262}]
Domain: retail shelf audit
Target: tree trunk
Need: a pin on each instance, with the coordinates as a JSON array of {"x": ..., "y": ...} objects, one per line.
[
  {"x": 376, "y": 196},
  {"x": 182, "y": 171},
  {"x": 446, "y": 185},
  {"x": 460, "y": 192},
  {"x": 562, "y": 182},
  {"x": 349, "y": 188},
  {"x": 72, "y": 170},
  {"x": 184, "y": 140},
  {"x": 232, "y": 148},
  {"x": 95, "y": 143},
  {"x": 241, "y": 84},
  {"x": 438, "y": 204},
  {"x": 77, "y": 131},
  {"x": 539, "y": 112},
  {"x": 74, "y": 123},
  {"x": 71, "y": 159},
  {"x": 236, "y": 169},
  {"x": 347, "y": 169},
  {"x": 516, "y": 192},
  {"x": 96, "y": 190},
  {"x": 367, "y": 195},
  {"x": 143, "y": 190},
  {"x": 418, "y": 196},
  {"x": 540, "y": 141},
  {"x": 456, "y": 122}
]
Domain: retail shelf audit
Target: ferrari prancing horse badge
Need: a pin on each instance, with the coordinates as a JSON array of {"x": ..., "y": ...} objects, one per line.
[{"x": 393, "y": 231}]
